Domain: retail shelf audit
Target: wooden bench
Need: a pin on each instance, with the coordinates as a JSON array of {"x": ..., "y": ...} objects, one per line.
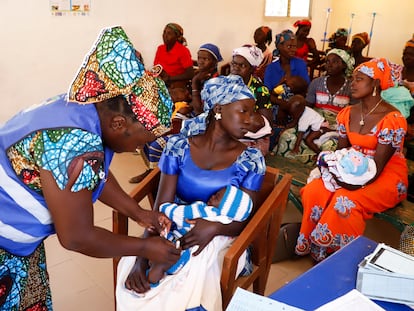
[{"x": 399, "y": 216}]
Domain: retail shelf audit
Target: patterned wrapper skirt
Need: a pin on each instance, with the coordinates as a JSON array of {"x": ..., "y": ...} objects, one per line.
[{"x": 24, "y": 282}]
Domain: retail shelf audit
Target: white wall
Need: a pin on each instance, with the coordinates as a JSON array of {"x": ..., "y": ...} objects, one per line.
[
  {"x": 393, "y": 25},
  {"x": 41, "y": 53}
]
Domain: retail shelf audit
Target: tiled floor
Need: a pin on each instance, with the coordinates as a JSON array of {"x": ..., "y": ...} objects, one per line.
[{"x": 85, "y": 284}]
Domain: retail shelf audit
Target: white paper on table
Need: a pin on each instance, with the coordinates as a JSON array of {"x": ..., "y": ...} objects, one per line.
[
  {"x": 353, "y": 300},
  {"x": 244, "y": 300}
]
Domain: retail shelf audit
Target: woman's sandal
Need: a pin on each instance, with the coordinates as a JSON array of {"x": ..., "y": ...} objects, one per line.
[{"x": 137, "y": 179}]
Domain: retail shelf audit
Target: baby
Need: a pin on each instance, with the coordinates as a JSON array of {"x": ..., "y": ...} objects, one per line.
[
  {"x": 311, "y": 125},
  {"x": 182, "y": 109},
  {"x": 345, "y": 165},
  {"x": 294, "y": 85},
  {"x": 181, "y": 98},
  {"x": 227, "y": 205}
]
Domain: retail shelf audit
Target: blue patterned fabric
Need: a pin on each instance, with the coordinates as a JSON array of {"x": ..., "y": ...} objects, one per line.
[
  {"x": 221, "y": 90},
  {"x": 246, "y": 172},
  {"x": 282, "y": 37},
  {"x": 26, "y": 218},
  {"x": 28, "y": 275},
  {"x": 112, "y": 68},
  {"x": 235, "y": 205},
  {"x": 224, "y": 90},
  {"x": 54, "y": 150}
]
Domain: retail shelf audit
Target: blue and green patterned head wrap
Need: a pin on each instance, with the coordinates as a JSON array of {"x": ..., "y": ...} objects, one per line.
[
  {"x": 112, "y": 68},
  {"x": 285, "y": 35}
]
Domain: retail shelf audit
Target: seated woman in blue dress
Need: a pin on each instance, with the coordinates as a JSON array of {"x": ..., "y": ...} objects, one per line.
[
  {"x": 208, "y": 56},
  {"x": 205, "y": 157},
  {"x": 286, "y": 64}
]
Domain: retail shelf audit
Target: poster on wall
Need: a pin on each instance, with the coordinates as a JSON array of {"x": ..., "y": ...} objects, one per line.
[{"x": 70, "y": 7}]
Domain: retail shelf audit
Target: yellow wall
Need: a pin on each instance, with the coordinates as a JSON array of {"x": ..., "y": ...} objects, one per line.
[{"x": 41, "y": 53}]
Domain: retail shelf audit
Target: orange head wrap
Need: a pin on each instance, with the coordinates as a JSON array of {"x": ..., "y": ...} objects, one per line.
[
  {"x": 410, "y": 43},
  {"x": 363, "y": 36},
  {"x": 377, "y": 68}
]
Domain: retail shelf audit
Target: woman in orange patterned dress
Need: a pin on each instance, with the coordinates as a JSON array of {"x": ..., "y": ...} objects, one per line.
[{"x": 377, "y": 129}]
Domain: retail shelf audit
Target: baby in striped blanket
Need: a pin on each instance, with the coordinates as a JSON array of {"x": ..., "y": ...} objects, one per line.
[{"x": 227, "y": 205}]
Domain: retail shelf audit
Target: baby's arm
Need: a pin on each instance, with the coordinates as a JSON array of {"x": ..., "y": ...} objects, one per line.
[
  {"x": 296, "y": 106},
  {"x": 256, "y": 122}
]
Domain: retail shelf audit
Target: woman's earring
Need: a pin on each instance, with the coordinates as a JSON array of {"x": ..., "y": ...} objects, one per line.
[
  {"x": 374, "y": 93},
  {"x": 217, "y": 116}
]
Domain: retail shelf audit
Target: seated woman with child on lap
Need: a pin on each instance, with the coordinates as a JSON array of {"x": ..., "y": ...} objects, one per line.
[
  {"x": 375, "y": 128},
  {"x": 205, "y": 157},
  {"x": 327, "y": 95}
]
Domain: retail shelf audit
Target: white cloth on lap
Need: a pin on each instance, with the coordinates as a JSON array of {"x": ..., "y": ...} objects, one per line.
[
  {"x": 331, "y": 164},
  {"x": 197, "y": 283}
]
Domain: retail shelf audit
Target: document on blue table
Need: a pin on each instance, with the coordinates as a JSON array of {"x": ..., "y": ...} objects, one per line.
[
  {"x": 353, "y": 300},
  {"x": 244, "y": 300},
  {"x": 387, "y": 274}
]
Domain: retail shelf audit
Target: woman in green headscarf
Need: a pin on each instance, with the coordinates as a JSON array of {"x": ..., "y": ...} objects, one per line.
[{"x": 328, "y": 95}]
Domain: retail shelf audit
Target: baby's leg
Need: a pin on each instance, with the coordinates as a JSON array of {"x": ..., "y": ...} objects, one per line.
[
  {"x": 156, "y": 272},
  {"x": 310, "y": 138}
]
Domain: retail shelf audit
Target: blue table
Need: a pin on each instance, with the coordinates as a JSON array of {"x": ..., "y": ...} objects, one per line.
[{"x": 330, "y": 279}]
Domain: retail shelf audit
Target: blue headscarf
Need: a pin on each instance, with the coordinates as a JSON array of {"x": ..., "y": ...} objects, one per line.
[
  {"x": 213, "y": 50},
  {"x": 221, "y": 90}
]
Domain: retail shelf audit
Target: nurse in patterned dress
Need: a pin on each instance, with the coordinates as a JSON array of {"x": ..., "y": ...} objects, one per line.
[
  {"x": 377, "y": 129},
  {"x": 54, "y": 164}
]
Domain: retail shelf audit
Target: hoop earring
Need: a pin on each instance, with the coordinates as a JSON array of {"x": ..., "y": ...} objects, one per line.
[
  {"x": 217, "y": 116},
  {"x": 374, "y": 93}
]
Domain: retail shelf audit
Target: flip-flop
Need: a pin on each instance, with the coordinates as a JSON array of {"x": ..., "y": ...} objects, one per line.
[{"x": 137, "y": 179}]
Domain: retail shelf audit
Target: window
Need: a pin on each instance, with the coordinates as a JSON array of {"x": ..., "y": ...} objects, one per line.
[{"x": 287, "y": 8}]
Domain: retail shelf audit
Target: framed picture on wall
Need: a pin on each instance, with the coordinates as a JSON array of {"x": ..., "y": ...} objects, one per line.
[{"x": 68, "y": 7}]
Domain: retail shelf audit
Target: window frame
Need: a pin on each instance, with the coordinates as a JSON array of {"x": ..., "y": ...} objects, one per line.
[{"x": 288, "y": 14}]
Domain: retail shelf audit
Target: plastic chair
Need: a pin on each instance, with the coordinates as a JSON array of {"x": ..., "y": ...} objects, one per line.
[{"x": 260, "y": 232}]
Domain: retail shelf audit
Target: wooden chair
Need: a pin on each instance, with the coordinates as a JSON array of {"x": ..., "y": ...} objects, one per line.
[
  {"x": 316, "y": 68},
  {"x": 261, "y": 231},
  {"x": 225, "y": 69}
]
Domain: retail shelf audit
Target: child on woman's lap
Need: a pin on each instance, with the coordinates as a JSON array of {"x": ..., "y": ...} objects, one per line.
[
  {"x": 226, "y": 205},
  {"x": 345, "y": 165},
  {"x": 310, "y": 124},
  {"x": 294, "y": 85}
]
